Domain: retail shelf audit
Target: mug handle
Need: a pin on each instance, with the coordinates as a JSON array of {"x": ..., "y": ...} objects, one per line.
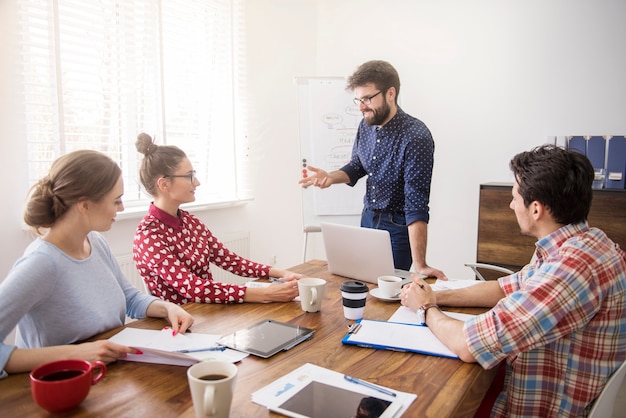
[
  {"x": 103, "y": 371},
  {"x": 209, "y": 395},
  {"x": 313, "y": 296}
]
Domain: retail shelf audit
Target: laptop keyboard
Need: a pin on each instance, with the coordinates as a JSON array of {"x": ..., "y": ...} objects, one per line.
[{"x": 405, "y": 274}]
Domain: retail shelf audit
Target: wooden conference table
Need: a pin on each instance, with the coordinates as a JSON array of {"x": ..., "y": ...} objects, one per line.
[{"x": 445, "y": 387}]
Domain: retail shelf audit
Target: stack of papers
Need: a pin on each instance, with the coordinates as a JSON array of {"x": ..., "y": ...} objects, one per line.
[
  {"x": 180, "y": 350},
  {"x": 313, "y": 391}
]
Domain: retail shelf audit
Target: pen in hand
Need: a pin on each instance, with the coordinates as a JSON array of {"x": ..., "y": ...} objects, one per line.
[
  {"x": 277, "y": 280},
  {"x": 368, "y": 384},
  {"x": 202, "y": 349}
]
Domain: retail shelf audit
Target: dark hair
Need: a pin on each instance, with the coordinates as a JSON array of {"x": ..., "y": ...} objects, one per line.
[
  {"x": 371, "y": 407},
  {"x": 82, "y": 174},
  {"x": 558, "y": 178},
  {"x": 158, "y": 161},
  {"x": 381, "y": 73}
]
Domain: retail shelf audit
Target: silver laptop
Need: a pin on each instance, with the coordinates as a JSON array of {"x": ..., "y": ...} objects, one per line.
[{"x": 359, "y": 253}]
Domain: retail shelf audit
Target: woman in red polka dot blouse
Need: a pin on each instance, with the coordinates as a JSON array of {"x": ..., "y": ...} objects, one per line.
[{"x": 173, "y": 249}]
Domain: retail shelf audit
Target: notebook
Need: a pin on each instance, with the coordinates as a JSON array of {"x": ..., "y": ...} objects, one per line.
[{"x": 359, "y": 253}]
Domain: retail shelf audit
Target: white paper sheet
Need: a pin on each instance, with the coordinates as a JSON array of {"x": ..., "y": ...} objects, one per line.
[
  {"x": 407, "y": 316},
  {"x": 453, "y": 284},
  {"x": 285, "y": 388},
  {"x": 254, "y": 284},
  {"x": 162, "y": 347}
]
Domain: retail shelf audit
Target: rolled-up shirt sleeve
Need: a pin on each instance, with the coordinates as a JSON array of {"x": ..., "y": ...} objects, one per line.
[
  {"x": 555, "y": 301},
  {"x": 419, "y": 160},
  {"x": 482, "y": 340},
  {"x": 481, "y": 331}
]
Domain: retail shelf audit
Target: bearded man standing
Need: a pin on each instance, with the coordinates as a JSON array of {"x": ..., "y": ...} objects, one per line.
[{"x": 396, "y": 152}]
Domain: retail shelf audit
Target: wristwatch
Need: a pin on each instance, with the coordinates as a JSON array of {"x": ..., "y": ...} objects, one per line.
[{"x": 421, "y": 312}]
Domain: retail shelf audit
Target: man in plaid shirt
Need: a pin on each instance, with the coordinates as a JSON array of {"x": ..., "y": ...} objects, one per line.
[{"x": 560, "y": 322}]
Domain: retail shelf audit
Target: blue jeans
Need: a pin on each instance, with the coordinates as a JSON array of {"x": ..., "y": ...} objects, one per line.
[{"x": 395, "y": 223}]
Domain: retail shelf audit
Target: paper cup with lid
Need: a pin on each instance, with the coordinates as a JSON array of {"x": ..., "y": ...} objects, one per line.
[{"x": 353, "y": 295}]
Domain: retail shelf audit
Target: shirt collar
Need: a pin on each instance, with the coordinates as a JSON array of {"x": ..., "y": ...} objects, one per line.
[
  {"x": 551, "y": 243},
  {"x": 392, "y": 122},
  {"x": 166, "y": 218}
]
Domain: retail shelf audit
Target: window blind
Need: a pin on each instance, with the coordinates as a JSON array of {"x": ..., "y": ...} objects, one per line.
[{"x": 96, "y": 73}]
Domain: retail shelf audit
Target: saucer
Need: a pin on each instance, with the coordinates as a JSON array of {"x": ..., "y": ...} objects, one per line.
[{"x": 376, "y": 293}]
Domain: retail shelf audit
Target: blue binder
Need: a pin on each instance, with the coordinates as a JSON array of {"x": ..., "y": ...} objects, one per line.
[
  {"x": 616, "y": 163},
  {"x": 577, "y": 143},
  {"x": 596, "y": 149}
]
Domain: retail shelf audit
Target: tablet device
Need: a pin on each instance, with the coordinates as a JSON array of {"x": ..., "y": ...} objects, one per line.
[
  {"x": 266, "y": 338},
  {"x": 319, "y": 399}
]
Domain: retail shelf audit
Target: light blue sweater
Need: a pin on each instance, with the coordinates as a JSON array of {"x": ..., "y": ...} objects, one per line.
[{"x": 55, "y": 300}]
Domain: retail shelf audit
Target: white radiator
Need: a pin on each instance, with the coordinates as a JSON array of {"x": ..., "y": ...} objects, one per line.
[{"x": 238, "y": 242}]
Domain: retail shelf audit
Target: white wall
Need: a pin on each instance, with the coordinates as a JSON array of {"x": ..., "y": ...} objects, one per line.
[
  {"x": 282, "y": 45},
  {"x": 490, "y": 78},
  {"x": 13, "y": 175}
]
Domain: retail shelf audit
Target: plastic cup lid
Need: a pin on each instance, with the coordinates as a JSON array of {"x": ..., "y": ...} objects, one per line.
[{"x": 354, "y": 287}]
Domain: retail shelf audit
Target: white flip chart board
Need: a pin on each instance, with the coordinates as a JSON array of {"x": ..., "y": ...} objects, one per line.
[{"x": 328, "y": 122}]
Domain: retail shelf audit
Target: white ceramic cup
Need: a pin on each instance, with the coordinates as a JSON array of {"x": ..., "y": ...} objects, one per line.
[
  {"x": 212, "y": 384},
  {"x": 311, "y": 293},
  {"x": 389, "y": 286}
]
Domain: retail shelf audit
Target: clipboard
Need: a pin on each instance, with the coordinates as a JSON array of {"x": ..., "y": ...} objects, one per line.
[{"x": 397, "y": 336}]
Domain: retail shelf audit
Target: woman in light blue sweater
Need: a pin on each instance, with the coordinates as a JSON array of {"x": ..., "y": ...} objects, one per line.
[{"x": 68, "y": 286}]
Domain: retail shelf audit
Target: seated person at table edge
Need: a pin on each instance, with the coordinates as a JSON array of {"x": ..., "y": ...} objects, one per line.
[
  {"x": 559, "y": 322},
  {"x": 173, "y": 249},
  {"x": 68, "y": 287}
]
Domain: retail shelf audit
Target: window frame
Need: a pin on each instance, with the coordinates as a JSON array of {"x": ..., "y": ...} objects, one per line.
[{"x": 214, "y": 138}]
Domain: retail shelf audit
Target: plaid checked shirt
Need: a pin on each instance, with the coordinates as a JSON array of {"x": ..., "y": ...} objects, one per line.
[{"x": 561, "y": 326}]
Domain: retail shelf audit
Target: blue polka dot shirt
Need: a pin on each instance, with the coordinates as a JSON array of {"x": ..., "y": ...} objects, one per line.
[{"x": 398, "y": 161}]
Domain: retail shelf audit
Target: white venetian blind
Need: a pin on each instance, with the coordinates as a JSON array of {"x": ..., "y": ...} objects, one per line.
[{"x": 98, "y": 72}]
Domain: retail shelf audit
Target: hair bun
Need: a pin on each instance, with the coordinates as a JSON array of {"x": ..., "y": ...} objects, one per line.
[
  {"x": 151, "y": 148},
  {"x": 145, "y": 144}
]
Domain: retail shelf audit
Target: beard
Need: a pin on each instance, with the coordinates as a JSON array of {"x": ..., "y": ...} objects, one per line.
[{"x": 378, "y": 115}]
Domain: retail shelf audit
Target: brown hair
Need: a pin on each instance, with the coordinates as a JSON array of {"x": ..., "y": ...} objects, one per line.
[
  {"x": 158, "y": 161},
  {"x": 381, "y": 73},
  {"x": 82, "y": 174},
  {"x": 560, "y": 179}
]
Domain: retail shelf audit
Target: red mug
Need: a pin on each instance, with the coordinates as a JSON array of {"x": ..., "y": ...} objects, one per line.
[{"x": 61, "y": 386}]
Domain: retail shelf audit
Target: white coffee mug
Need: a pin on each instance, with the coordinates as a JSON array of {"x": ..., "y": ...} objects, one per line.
[
  {"x": 311, "y": 293},
  {"x": 212, "y": 384},
  {"x": 389, "y": 286}
]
